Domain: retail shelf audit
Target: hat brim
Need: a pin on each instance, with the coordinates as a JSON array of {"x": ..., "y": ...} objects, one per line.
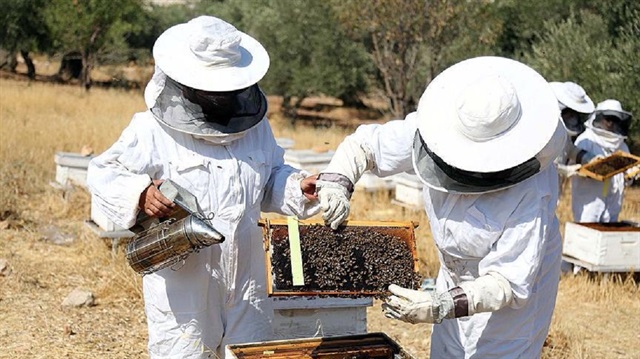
[
  {"x": 438, "y": 116},
  {"x": 585, "y": 107},
  {"x": 173, "y": 56},
  {"x": 622, "y": 115},
  {"x": 435, "y": 176}
]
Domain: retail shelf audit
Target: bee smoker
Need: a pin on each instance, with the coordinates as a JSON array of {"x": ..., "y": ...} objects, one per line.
[{"x": 160, "y": 244}]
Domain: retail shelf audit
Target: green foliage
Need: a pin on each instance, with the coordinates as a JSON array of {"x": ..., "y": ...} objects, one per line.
[
  {"x": 92, "y": 26},
  {"x": 581, "y": 49},
  {"x": 309, "y": 52},
  {"x": 22, "y": 28}
]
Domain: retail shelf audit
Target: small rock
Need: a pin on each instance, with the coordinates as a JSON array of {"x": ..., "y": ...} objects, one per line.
[
  {"x": 5, "y": 270},
  {"x": 79, "y": 298},
  {"x": 53, "y": 234}
]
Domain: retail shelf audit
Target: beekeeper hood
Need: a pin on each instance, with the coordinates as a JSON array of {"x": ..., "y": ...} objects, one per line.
[
  {"x": 205, "y": 80},
  {"x": 612, "y": 111},
  {"x": 486, "y": 124},
  {"x": 610, "y": 123},
  {"x": 575, "y": 105}
]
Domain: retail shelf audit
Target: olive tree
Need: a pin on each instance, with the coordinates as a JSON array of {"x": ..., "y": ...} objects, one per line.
[
  {"x": 409, "y": 40},
  {"x": 581, "y": 49},
  {"x": 90, "y": 27}
]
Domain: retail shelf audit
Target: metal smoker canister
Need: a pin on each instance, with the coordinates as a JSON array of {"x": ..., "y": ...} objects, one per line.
[{"x": 169, "y": 243}]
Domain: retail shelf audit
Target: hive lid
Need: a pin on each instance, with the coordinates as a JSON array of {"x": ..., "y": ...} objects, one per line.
[{"x": 360, "y": 266}]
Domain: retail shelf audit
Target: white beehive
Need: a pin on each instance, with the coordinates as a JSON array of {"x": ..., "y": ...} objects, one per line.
[
  {"x": 615, "y": 245},
  {"x": 303, "y": 317},
  {"x": 408, "y": 191},
  {"x": 308, "y": 160},
  {"x": 102, "y": 221},
  {"x": 71, "y": 168},
  {"x": 285, "y": 143},
  {"x": 370, "y": 182}
]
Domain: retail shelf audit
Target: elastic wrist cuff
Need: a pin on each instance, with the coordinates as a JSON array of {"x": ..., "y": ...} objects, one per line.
[
  {"x": 460, "y": 302},
  {"x": 337, "y": 178}
]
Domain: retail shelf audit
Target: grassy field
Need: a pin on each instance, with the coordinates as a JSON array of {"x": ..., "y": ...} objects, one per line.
[{"x": 595, "y": 317}]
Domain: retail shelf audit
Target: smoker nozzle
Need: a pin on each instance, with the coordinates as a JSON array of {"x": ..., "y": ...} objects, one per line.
[{"x": 200, "y": 233}]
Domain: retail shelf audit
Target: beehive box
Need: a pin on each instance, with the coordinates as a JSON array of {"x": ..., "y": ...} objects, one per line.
[
  {"x": 615, "y": 245},
  {"x": 408, "y": 191},
  {"x": 360, "y": 259},
  {"x": 370, "y": 182},
  {"x": 102, "y": 221},
  {"x": 370, "y": 346},
  {"x": 285, "y": 143},
  {"x": 305, "y": 317},
  {"x": 71, "y": 168},
  {"x": 609, "y": 166},
  {"x": 309, "y": 160}
]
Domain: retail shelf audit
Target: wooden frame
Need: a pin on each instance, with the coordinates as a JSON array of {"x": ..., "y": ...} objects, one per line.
[
  {"x": 586, "y": 170},
  {"x": 373, "y": 345},
  {"x": 403, "y": 230}
]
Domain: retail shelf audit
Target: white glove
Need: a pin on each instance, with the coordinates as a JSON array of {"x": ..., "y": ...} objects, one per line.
[
  {"x": 488, "y": 293},
  {"x": 414, "y": 306},
  {"x": 335, "y": 183},
  {"x": 334, "y": 192},
  {"x": 568, "y": 170}
]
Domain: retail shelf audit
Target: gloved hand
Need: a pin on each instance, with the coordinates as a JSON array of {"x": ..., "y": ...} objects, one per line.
[
  {"x": 414, "y": 306},
  {"x": 334, "y": 191},
  {"x": 568, "y": 170}
]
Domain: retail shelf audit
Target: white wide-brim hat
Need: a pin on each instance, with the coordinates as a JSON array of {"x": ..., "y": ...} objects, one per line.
[
  {"x": 488, "y": 116},
  {"x": 612, "y": 107},
  {"x": 573, "y": 96},
  {"x": 210, "y": 54}
]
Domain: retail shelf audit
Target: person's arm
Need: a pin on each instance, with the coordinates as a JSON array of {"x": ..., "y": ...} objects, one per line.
[
  {"x": 382, "y": 149},
  {"x": 487, "y": 293},
  {"x": 118, "y": 177},
  {"x": 289, "y": 191}
]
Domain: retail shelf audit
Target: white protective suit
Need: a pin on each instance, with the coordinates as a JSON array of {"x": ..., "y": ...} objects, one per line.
[
  {"x": 218, "y": 297},
  {"x": 592, "y": 200},
  {"x": 513, "y": 232}
]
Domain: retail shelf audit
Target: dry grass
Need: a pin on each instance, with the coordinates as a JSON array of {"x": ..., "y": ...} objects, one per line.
[{"x": 595, "y": 317}]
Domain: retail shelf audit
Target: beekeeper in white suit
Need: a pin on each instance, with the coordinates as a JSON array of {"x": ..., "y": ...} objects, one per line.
[
  {"x": 206, "y": 130},
  {"x": 601, "y": 201},
  {"x": 575, "y": 108},
  {"x": 482, "y": 141}
]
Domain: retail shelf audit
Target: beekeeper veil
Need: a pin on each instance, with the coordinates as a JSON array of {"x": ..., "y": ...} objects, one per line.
[
  {"x": 486, "y": 124},
  {"x": 575, "y": 105},
  {"x": 205, "y": 80}
]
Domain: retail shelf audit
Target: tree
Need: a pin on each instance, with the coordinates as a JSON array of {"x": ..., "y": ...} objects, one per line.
[
  {"x": 309, "y": 52},
  {"x": 90, "y": 27},
  {"x": 582, "y": 49},
  {"x": 407, "y": 40},
  {"x": 22, "y": 30}
]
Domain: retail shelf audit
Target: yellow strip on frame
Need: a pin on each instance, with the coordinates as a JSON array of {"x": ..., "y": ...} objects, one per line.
[{"x": 296, "y": 251}]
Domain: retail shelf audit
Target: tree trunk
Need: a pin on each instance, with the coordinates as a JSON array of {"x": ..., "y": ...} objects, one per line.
[
  {"x": 87, "y": 64},
  {"x": 31, "y": 68}
]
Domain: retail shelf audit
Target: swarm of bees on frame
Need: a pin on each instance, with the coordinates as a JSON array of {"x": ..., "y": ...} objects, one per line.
[{"x": 352, "y": 259}]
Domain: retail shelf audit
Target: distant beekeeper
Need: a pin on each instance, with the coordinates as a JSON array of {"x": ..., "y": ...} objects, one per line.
[
  {"x": 205, "y": 130},
  {"x": 601, "y": 201},
  {"x": 483, "y": 141},
  {"x": 575, "y": 108}
]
